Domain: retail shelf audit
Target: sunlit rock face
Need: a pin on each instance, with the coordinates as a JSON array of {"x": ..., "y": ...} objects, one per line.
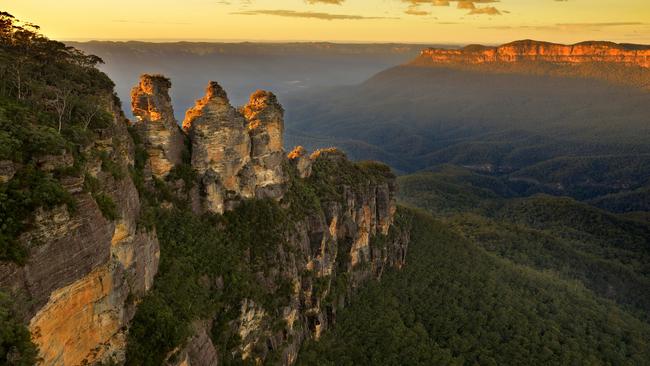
[
  {"x": 237, "y": 153},
  {"x": 152, "y": 107},
  {"x": 220, "y": 148},
  {"x": 218, "y": 135},
  {"x": 85, "y": 273},
  {"x": 299, "y": 158},
  {"x": 265, "y": 118},
  {"x": 585, "y": 52}
]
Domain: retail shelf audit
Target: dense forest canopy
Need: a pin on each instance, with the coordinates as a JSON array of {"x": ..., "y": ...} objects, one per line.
[{"x": 457, "y": 304}]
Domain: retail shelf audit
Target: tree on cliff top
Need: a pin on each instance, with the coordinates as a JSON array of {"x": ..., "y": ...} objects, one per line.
[{"x": 49, "y": 98}]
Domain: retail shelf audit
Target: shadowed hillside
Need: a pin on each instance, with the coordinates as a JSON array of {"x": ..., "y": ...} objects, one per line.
[{"x": 561, "y": 131}]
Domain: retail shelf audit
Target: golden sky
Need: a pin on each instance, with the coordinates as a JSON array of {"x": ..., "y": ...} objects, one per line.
[{"x": 422, "y": 21}]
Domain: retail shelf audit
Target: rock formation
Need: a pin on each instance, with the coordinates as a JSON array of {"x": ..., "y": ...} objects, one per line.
[
  {"x": 237, "y": 155},
  {"x": 265, "y": 118},
  {"x": 155, "y": 118},
  {"x": 298, "y": 156},
  {"x": 85, "y": 273},
  {"x": 334, "y": 250},
  {"x": 220, "y": 148},
  {"x": 528, "y": 50}
]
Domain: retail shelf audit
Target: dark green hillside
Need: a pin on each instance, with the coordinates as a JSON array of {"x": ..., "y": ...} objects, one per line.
[
  {"x": 628, "y": 201},
  {"x": 608, "y": 253},
  {"x": 457, "y": 304}
]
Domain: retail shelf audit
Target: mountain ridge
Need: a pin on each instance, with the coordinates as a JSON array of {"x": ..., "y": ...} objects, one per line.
[{"x": 532, "y": 50}]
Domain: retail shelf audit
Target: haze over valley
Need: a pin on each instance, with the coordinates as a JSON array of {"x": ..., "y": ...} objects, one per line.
[
  {"x": 465, "y": 183},
  {"x": 242, "y": 68}
]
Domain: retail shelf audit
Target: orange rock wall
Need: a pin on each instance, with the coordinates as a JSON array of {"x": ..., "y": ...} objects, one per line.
[{"x": 634, "y": 55}]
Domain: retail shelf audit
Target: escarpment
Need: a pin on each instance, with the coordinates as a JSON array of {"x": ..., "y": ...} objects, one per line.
[
  {"x": 89, "y": 263},
  {"x": 522, "y": 51},
  {"x": 196, "y": 246},
  {"x": 622, "y": 64},
  {"x": 301, "y": 233},
  {"x": 341, "y": 230}
]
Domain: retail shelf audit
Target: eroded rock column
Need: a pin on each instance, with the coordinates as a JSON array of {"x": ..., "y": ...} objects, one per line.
[
  {"x": 153, "y": 110},
  {"x": 265, "y": 118}
]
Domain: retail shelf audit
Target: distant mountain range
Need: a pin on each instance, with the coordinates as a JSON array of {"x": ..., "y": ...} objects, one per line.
[
  {"x": 544, "y": 117},
  {"x": 244, "y": 67}
]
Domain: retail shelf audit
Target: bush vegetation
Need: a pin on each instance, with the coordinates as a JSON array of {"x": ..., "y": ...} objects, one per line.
[
  {"x": 51, "y": 104},
  {"x": 16, "y": 347},
  {"x": 456, "y": 304},
  {"x": 609, "y": 253}
]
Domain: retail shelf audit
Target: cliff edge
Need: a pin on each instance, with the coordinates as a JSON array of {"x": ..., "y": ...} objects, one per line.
[{"x": 536, "y": 51}]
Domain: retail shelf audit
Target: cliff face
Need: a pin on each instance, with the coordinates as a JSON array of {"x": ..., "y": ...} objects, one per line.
[
  {"x": 155, "y": 117},
  {"x": 329, "y": 253},
  {"x": 522, "y": 51},
  {"x": 339, "y": 235},
  {"x": 237, "y": 155},
  {"x": 88, "y": 268},
  {"x": 85, "y": 272},
  {"x": 265, "y": 118}
]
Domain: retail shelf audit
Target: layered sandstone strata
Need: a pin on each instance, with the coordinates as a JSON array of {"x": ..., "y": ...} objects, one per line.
[
  {"x": 85, "y": 273},
  {"x": 528, "y": 50},
  {"x": 237, "y": 153}
]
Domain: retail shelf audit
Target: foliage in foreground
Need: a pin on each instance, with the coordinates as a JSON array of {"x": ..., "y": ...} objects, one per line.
[{"x": 16, "y": 347}]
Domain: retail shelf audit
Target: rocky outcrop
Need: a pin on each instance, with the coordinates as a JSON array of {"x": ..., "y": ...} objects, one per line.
[
  {"x": 220, "y": 149},
  {"x": 330, "y": 252},
  {"x": 303, "y": 163},
  {"x": 333, "y": 247},
  {"x": 154, "y": 114},
  {"x": 238, "y": 154},
  {"x": 535, "y": 51},
  {"x": 88, "y": 269},
  {"x": 265, "y": 118},
  {"x": 85, "y": 273}
]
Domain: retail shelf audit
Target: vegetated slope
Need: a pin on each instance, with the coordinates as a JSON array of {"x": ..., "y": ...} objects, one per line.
[
  {"x": 608, "y": 253},
  {"x": 68, "y": 208},
  {"x": 562, "y": 134},
  {"x": 257, "y": 248},
  {"x": 271, "y": 261},
  {"x": 243, "y": 67},
  {"x": 456, "y": 303}
]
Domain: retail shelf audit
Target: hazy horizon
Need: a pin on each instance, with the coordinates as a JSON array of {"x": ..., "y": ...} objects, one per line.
[{"x": 388, "y": 21}]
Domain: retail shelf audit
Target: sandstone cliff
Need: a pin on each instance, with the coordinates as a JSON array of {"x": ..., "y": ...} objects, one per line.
[
  {"x": 528, "y": 50},
  {"x": 155, "y": 117},
  {"x": 623, "y": 64},
  {"x": 237, "y": 155},
  {"x": 85, "y": 272},
  {"x": 334, "y": 230},
  {"x": 329, "y": 252},
  {"x": 303, "y": 232}
]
